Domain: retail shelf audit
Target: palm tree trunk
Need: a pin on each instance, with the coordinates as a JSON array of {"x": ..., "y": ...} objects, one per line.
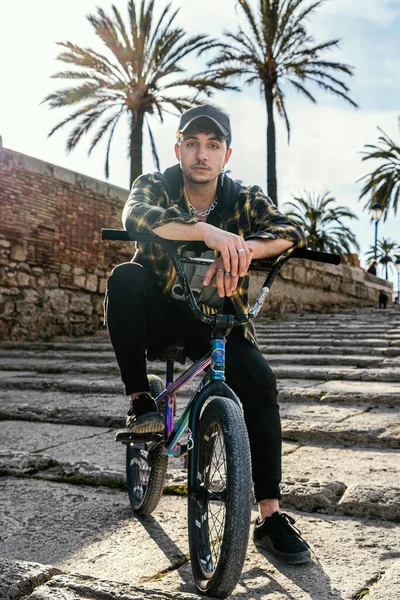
[
  {"x": 272, "y": 187},
  {"x": 136, "y": 144}
]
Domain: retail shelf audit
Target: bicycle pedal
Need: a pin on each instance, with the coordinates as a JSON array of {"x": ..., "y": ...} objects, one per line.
[{"x": 126, "y": 437}]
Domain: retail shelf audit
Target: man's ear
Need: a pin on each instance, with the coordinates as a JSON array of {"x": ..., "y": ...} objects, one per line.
[
  {"x": 177, "y": 152},
  {"x": 227, "y": 155}
]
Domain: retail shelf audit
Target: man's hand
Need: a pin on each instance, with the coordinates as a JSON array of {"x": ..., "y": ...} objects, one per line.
[
  {"x": 235, "y": 254},
  {"x": 226, "y": 284}
]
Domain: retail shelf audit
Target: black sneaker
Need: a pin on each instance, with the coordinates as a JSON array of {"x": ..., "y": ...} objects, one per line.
[
  {"x": 143, "y": 416},
  {"x": 277, "y": 534}
]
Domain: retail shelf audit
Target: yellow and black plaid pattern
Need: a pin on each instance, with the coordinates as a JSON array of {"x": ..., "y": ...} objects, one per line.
[{"x": 253, "y": 215}]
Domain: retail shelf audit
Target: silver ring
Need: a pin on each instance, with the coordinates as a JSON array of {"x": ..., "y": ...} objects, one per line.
[
  {"x": 221, "y": 270},
  {"x": 227, "y": 273},
  {"x": 240, "y": 250}
]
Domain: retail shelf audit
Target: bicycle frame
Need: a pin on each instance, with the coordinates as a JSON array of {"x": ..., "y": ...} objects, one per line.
[{"x": 213, "y": 383}]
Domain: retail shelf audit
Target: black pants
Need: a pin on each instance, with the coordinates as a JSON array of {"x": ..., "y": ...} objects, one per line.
[{"x": 140, "y": 317}]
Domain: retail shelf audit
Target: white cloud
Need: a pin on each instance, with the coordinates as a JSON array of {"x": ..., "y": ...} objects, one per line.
[{"x": 381, "y": 12}]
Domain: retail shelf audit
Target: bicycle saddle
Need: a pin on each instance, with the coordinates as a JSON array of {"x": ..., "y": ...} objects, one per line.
[{"x": 175, "y": 352}]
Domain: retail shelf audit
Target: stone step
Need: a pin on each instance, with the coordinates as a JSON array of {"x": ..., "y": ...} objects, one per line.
[
  {"x": 349, "y": 393},
  {"x": 325, "y": 340},
  {"x": 330, "y": 359},
  {"x": 283, "y": 348},
  {"x": 328, "y": 423},
  {"x": 69, "y": 370},
  {"x": 90, "y": 531},
  {"x": 389, "y": 374},
  {"x": 75, "y": 354},
  {"x": 102, "y": 402},
  {"x": 330, "y": 331},
  {"x": 308, "y": 419},
  {"x": 89, "y": 455}
]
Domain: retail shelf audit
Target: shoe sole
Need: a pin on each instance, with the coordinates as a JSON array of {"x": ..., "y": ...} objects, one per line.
[
  {"x": 148, "y": 424},
  {"x": 286, "y": 557}
]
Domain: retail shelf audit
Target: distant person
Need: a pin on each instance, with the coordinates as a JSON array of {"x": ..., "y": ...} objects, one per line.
[
  {"x": 372, "y": 268},
  {"x": 383, "y": 298}
]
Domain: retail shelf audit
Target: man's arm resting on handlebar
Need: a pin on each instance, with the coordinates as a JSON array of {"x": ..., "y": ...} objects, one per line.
[
  {"x": 228, "y": 244},
  {"x": 268, "y": 248}
]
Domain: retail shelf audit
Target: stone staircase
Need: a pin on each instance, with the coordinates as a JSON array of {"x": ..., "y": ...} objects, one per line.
[{"x": 67, "y": 528}]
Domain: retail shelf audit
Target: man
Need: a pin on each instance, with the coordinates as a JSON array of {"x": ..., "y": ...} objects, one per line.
[
  {"x": 195, "y": 201},
  {"x": 372, "y": 268}
]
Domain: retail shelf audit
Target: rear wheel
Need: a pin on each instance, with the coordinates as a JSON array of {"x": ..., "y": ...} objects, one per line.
[
  {"x": 219, "y": 505},
  {"x": 146, "y": 467}
]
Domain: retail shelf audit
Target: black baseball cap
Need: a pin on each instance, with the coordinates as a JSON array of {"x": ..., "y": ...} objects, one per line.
[{"x": 207, "y": 111}]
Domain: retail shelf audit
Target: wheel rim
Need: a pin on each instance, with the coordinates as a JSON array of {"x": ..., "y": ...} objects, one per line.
[{"x": 211, "y": 499}]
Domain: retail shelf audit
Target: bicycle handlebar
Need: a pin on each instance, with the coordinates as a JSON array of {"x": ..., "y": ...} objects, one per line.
[
  {"x": 172, "y": 247},
  {"x": 220, "y": 321}
]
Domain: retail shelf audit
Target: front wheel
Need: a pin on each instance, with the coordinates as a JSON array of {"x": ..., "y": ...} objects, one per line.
[
  {"x": 146, "y": 467},
  {"x": 219, "y": 505}
]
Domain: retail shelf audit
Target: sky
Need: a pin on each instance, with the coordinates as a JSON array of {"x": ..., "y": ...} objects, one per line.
[{"x": 327, "y": 139}]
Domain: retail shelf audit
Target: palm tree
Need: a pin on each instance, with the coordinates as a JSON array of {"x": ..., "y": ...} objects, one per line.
[
  {"x": 275, "y": 49},
  {"x": 322, "y": 223},
  {"x": 384, "y": 182},
  {"x": 387, "y": 250},
  {"x": 139, "y": 75}
]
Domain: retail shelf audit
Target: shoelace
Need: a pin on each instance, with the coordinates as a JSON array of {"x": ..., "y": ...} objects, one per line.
[
  {"x": 131, "y": 411},
  {"x": 290, "y": 522}
]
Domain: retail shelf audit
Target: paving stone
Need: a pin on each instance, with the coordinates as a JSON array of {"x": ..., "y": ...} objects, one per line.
[
  {"x": 331, "y": 372},
  {"x": 272, "y": 349},
  {"x": 80, "y": 587},
  {"x": 359, "y": 389},
  {"x": 23, "y": 464},
  {"x": 100, "y": 410},
  {"x": 311, "y": 495},
  {"x": 64, "y": 443},
  {"x": 18, "y": 578},
  {"x": 369, "y": 428},
  {"x": 371, "y": 500},
  {"x": 339, "y": 390},
  {"x": 328, "y": 359},
  {"x": 350, "y": 554},
  {"x": 387, "y": 585},
  {"x": 90, "y": 531},
  {"x": 351, "y": 464}
]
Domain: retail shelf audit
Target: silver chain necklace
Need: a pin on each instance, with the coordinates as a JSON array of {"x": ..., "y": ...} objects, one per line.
[{"x": 202, "y": 213}]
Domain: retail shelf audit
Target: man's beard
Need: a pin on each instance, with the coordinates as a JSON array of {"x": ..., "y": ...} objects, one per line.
[{"x": 192, "y": 178}]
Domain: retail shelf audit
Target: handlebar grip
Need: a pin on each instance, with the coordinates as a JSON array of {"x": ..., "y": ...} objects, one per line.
[
  {"x": 325, "y": 257},
  {"x": 124, "y": 236}
]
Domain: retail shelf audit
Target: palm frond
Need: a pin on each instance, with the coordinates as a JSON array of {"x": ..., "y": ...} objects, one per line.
[{"x": 322, "y": 221}]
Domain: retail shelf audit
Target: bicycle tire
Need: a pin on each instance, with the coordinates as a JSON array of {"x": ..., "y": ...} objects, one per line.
[
  {"x": 219, "y": 506},
  {"x": 146, "y": 467}
]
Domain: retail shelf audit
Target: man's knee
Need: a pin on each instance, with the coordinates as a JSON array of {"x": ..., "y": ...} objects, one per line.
[{"x": 125, "y": 276}]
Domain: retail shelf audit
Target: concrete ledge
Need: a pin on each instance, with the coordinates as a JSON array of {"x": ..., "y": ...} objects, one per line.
[
  {"x": 307, "y": 286},
  {"x": 9, "y": 159}
]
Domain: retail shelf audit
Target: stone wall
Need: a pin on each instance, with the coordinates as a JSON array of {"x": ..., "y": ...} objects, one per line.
[
  {"x": 304, "y": 286},
  {"x": 53, "y": 264}
]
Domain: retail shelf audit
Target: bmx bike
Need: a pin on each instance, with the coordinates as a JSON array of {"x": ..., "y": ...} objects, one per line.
[{"x": 217, "y": 446}]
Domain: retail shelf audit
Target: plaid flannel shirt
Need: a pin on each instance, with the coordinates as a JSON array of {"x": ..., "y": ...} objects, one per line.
[{"x": 254, "y": 215}]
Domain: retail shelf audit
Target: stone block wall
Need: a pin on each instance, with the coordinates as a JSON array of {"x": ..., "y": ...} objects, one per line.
[
  {"x": 53, "y": 264},
  {"x": 305, "y": 286}
]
